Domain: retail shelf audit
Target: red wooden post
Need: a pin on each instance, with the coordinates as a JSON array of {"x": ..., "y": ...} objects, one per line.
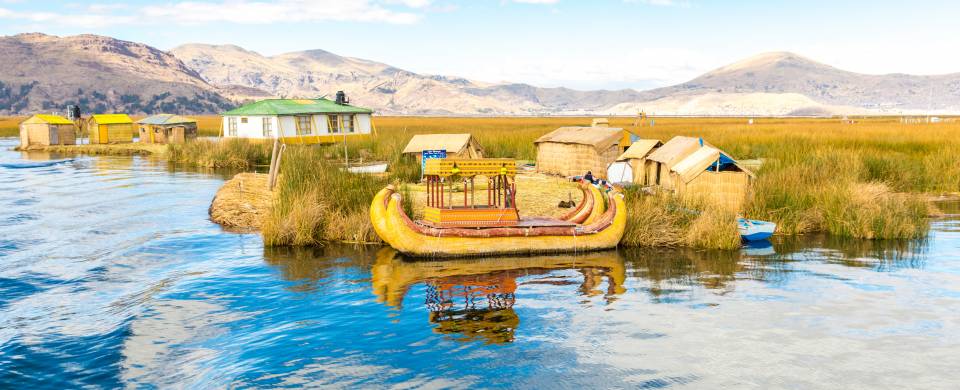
[{"x": 464, "y": 192}]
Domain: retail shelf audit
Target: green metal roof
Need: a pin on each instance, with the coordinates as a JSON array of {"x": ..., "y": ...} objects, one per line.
[
  {"x": 111, "y": 119},
  {"x": 165, "y": 119},
  {"x": 296, "y": 107}
]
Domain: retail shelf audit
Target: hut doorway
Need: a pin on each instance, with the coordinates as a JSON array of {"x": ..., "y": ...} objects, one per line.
[{"x": 102, "y": 131}]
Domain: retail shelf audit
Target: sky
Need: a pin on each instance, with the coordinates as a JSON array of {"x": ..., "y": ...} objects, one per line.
[{"x": 599, "y": 44}]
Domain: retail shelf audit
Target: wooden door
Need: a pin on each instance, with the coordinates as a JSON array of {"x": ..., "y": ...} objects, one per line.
[
  {"x": 54, "y": 135},
  {"x": 103, "y": 134}
]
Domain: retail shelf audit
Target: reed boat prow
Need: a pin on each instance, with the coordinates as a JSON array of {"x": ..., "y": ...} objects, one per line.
[{"x": 416, "y": 239}]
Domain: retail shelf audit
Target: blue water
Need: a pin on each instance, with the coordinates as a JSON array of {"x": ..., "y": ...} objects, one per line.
[{"x": 111, "y": 275}]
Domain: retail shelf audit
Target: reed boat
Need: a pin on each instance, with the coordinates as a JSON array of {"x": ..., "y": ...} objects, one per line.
[{"x": 460, "y": 229}]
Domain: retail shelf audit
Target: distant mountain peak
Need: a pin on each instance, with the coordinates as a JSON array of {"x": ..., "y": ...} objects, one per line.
[
  {"x": 40, "y": 73},
  {"x": 768, "y": 60}
]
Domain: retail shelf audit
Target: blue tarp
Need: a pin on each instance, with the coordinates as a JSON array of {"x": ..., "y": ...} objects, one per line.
[{"x": 725, "y": 163}]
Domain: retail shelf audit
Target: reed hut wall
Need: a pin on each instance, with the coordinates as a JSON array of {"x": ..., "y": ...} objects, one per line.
[
  {"x": 47, "y": 134},
  {"x": 575, "y": 159},
  {"x": 725, "y": 189},
  {"x": 168, "y": 134},
  {"x": 111, "y": 133}
]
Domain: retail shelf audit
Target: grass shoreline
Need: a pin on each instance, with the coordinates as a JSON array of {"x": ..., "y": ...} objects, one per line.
[{"x": 874, "y": 179}]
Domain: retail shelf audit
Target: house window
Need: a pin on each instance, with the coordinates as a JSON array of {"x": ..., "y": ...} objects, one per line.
[
  {"x": 267, "y": 128},
  {"x": 332, "y": 124},
  {"x": 304, "y": 125},
  {"x": 347, "y": 122},
  {"x": 243, "y": 120},
  {"x": 232, "y": 127}
]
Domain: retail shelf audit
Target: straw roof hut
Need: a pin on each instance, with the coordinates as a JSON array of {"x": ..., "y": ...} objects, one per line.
[
  {"x": 632, "y": 165},
  {"x": 455, "y": 145},
  {"x": 665, "y": 157},
  {"x": 571, "y": 151},
  {"x": 167, "y": 129},
  {"x": 47, "y": 130},
  {"x": 110, "y": 129},
  {"x": 692, "y": 168}
]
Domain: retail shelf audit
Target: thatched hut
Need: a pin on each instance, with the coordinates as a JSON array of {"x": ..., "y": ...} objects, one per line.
[
  {"x": 632, "y": 165},
  {"x": 47, "y": 130},
  {"x": 711, "y": 175},
  {"x": 455, "y": 145},
  {"x": 665, "y": 157},
  {"x": 571, "y": 151},
  {"x": 110, "y": 129},
  {"x": 167, "y": 129}
]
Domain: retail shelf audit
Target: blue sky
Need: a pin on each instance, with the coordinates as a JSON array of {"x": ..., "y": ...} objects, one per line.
[{"x": 580, "y": 44}]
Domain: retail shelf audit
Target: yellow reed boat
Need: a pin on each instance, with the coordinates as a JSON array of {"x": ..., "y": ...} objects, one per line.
[{"x": 451, "y": 228}]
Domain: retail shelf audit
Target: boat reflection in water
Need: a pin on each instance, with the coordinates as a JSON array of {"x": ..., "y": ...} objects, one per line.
[{"x": 473, "y": 299}]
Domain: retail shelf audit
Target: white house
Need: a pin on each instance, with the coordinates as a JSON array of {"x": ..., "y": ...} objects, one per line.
[{"x": 298, "y": 121}]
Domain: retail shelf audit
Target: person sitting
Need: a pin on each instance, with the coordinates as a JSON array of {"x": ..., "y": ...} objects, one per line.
[{"x": 589, "y": 178}]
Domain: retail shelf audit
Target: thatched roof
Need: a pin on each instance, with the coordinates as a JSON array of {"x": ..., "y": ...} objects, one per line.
[
  {"x": 598, "y": 137},
  {"x": 452, "y": 143},
  {"x": 701, "y": 159},
  {"x": 675, "y": 150},
  {"x": 639, "y": 149}
]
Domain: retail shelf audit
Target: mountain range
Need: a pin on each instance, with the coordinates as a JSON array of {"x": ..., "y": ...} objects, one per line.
[{"x": 42, "y": 73}]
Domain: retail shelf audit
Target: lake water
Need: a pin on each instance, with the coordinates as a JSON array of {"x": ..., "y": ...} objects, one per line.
[{"x": 112, "y": 275}]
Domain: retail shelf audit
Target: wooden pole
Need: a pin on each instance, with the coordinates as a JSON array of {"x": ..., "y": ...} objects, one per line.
[
  {"x": 346, "y": 154},
  {"x": 273, "y": 161}
]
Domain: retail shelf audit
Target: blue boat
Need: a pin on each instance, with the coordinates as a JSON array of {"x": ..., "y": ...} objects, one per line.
[{"x": 754, "y": 230}]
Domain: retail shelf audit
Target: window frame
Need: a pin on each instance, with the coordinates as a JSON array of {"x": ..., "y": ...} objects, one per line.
[
  {"x": 267, "y": 127},
  {"x": 232, "y": 126},
  {"x": 298, "y": 119},
  {"x": 347, "y": 124},
  {"x": 333, "y": 124}
]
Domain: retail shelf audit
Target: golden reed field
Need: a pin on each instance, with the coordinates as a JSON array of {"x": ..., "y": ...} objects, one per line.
[{"x": 865, "y": 178}]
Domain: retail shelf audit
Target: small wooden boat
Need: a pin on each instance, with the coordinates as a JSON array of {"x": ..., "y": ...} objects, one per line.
[
  {"x": 471, "y": 229},
  {"x": 754, "y": 230}
]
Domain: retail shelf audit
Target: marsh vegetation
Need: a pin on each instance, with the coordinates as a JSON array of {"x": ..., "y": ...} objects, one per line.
[{"x": 868, "y": 179}]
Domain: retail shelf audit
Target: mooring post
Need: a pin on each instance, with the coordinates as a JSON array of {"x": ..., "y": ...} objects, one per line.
[
  {"x": 273, "y": 162},
  {"x": 276, "y": 171}
]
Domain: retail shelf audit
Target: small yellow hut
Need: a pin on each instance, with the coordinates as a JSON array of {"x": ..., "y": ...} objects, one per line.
[
  {"x": 167, "y": 129},
  {"x": 47, "y": 130},
  {"x": 455, "y": 145},
  {"x": 571, "y": 151},
  {"x": 110, "y": 129}
]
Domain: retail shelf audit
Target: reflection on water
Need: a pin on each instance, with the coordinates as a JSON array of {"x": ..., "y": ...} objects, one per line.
[
  {"x": 111, "y": 275},
  {"x": 474, "y": 298}
]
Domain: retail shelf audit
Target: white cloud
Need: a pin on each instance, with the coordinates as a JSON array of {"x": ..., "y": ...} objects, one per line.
[
  {"x": 256, "y": 12},
  {"x": 537, "y": 1},
  {"x": 410, "y": 3},
  {"x": 81, "y": 20},
  {"x": 230, "y": 11},
  {"x": 662, "y": 3}
]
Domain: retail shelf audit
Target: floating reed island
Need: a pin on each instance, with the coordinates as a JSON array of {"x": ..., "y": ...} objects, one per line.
[{"x": 871, "y": 178}]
